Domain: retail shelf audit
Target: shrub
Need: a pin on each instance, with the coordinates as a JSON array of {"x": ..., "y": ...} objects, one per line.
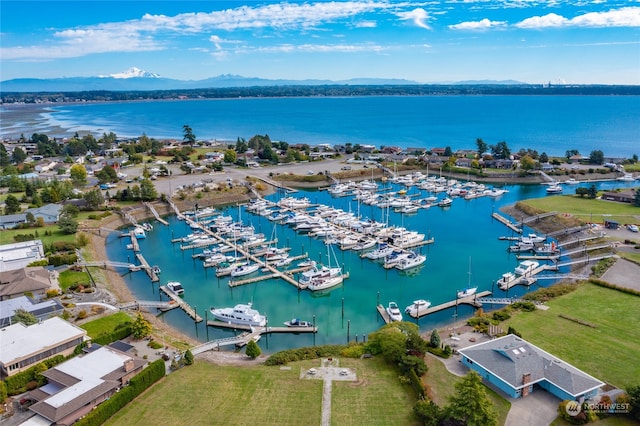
[
  {"x": 82, "y": 314},
  {"x": 353, "y": 351},
  {"x": 300, "y": 354},
  {"x": 154, "y": 345},
  {"x": 501, "y": 315}
]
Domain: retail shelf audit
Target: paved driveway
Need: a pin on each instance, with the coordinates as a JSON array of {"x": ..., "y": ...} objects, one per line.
[{"x": 539, "y": 408}]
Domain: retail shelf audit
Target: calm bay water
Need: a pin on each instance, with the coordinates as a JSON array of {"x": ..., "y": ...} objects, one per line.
[
  {"x": 462, "y": 232},
  {"x": 551, "y": 124}
]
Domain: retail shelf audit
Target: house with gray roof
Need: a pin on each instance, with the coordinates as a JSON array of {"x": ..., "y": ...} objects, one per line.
[
  {"x": 34, "y": 280},
  {"x": 41, "y": 310},
  {"x": 77, "y": 386},
  {"x": 517, "y": 368}
]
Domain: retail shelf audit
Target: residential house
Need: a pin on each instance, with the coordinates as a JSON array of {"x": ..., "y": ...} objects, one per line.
[
  {"x": 22, "y": 347},
  {"x": 50, "y": 213},
  {"x": 438, "y": 151},
  {"x": 34, "y": 281},
  {"x": 624, "y": 196},
  {"x": 517, "y": 368},
  {"x": 78, "y": 385},
  {"x": 10, "y": 221},
  {"x": 41, "y": 310},
  {"x": 18, "y": 255}
]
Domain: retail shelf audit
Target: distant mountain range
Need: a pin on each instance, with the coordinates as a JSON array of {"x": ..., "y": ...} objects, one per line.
[{"x": 137, "y": 79}]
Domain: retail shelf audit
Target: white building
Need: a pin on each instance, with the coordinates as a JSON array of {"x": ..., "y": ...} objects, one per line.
[{"x": 19, "y": 255}]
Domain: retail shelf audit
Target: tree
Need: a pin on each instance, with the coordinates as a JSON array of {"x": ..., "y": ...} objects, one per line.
[
  {"x": 527, "y": 163},
  {"x": 189, "y": 137},
  {"x": 107, "y": 174},
  {"x": 596, "y": 157},
  {"x": 18, "y": 155},
  {"x": 188, "y": 357},
  {"x": 94, "y": 199},
  {"x": 241, "y": 146},
  {"x": 636, "y": 199},
  {"x": 78, "y": 175},
  {"x": 544, "y": 158},
  {"x": 230, "y": 156},
  {"x": 141, "y": 327},
  {"x": 31, "y": 220},
  {"x": 11, "y": 205},
  {"x": 470, "y": 404},
  {"x": 4, "y": 156},
  {"x": 634, "y": 401},
  {"x": 500, "y": 150},
  {"x": 482, "y": 147},
  {"x": 428, "y": 412},
  {"x": 434, "y": 341},
  {"x": 570, "y": 153},
  {"x": 147, "y": 190},
  {"x": 593, "y": 192},
  {"x": 582, "y": 191},
  {"x": 27, "y": 318},
  {"x": 448, "y": 152},
  {"x": 67, "y": 223},
  {"x": 253, "y": 350}
]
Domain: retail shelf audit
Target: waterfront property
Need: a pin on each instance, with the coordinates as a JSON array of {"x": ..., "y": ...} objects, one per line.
[
  {"x": 517, "y": 368},
  {"x": 77, "y": 386},
  {"x": 18, "y": 255},
  {"x": 35, "y": 280},
  {"x": 24, "y": 346}
]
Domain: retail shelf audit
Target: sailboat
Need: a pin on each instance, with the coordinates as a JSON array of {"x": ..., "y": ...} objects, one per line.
[
  {"x": 469, "y": 291},
  {"x": 324, "y": 277}
]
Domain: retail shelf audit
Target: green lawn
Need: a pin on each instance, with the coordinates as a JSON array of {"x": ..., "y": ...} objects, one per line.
[
  {"x": 205, "y": 394},
  {"x": 586, "y": 209},
  {"x": 608, "y": 352},
  {"x": 6, "y": 236},
  {"x": 441, "y": 386},
  {"x": 69, "y": 278},
  {"x": 105, "y": 324}
]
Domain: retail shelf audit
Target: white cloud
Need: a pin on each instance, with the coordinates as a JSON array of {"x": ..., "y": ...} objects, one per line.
[
  {"x": 419, "y": 17},
  {"x": 624, "y": 17},
  {"x": 483, "y": 24},
  {"x": 365, "y": 24}
]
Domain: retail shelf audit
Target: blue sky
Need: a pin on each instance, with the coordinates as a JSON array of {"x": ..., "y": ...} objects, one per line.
[{"x": 533, "y": 41}]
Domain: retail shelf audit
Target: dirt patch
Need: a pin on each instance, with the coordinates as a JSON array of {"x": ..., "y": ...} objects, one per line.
[{"x": 237, "y": 359}]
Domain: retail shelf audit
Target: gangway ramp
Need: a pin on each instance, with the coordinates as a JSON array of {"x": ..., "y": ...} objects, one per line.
[{"x": 155, "y": 213}]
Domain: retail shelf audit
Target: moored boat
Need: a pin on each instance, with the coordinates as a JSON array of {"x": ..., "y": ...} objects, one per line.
[
  {"x": 394, "y": 312},
  {"x": 176, "y": 287},
  {"x": 245, "y": 269},
  {"x": 411, "y": 261},
  {"x": 240, "y": 314},
  {"x": 296, "y": 322},
  {"x": 506, "y": 279},
  {"x": 526, "y": 266},
  {"x": 417, "y": 308}
]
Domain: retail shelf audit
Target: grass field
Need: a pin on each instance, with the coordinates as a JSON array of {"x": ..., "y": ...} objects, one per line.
[
  {"x": 105, "y": 324},
  {"x": 588, "y": 210},
  {"x": 441, "y": 386},
  {"x": 68, "y": 278},
  {"x": 205, "y": 394},
  {"x": 608, "y": 352}
]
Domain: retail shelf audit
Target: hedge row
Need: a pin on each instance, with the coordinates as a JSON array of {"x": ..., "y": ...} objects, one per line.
[
  {"x": 416, "y": 383},
  {"x": 614, "y": 287},
  {"x": 118, "y": 334},
  {"x": 17, "y": 383},
  {"x": 138, "y": 384},
  {"x": 62, "y": 259},
  {"x": 299, "y": 354}
]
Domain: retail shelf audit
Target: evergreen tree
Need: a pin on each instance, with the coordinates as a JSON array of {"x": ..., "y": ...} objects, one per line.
[
  {"x": 253, "y": 350},
  {"x": 67, "y": 223},
  {"x": 482, "y": 147},
  {"x": 188, "y": 357},
  {"x": 11, "y": 205},
  {"x": 189, "y": 137},
  {"x": 592, "y": 192},
  {"x": 4, "y": 156},
  {"x": 470, "y": 404},
  {"x": 27, "y": 318},
  {"x": 434, "y": 341},
  {"x": 147, "y": 190}
]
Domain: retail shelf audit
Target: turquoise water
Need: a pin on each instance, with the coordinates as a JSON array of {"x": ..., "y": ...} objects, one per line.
[
  {"x": 465, "y": 230},
  {"x": 551, "y": 124}
]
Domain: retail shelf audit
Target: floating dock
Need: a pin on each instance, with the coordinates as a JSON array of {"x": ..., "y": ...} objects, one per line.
[
  {"x": 134, "y": 241},
  {"x": 497, "y": 216},
  {"x": 148, "y": 269},
  {"x": 181, "y": 304},
  {"x": 250, "y": 333},
  {"x": 384, "y": 314},
  {"x": 470, "y": 300}
]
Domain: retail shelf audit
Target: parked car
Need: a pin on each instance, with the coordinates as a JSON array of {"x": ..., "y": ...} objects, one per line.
[{"x": 632, "y": 228}]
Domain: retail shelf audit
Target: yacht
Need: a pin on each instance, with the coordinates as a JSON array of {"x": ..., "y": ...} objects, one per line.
[
  {"x": 554, "y": 189},
  {"x": 139, "y": 233},
  {"x": 411, "y": 261},
  {"x": 318, "y": 273},
  {"x": 240, "y": 314},
  {"x": 383, "y": 250},
  {"x": 521, "y": 246},
  {"x": 394, "y": 312},
  {"x": 245, "y": 269},
  {"x": 175, "y": 287},
  {"x": 323, "y": 283},
  {"x": 525, "y": 267},
  {"x": 296, "y": 322},
  {"x": 445, "y": 202},
  {"x": 417, "y": 308},
  {"x": 627, "y": 177}
]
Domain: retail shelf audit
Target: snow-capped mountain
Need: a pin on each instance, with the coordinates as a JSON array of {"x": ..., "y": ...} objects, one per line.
[{"x": 134, "y": 72}]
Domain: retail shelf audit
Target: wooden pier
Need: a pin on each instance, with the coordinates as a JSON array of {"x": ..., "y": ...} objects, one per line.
[
  {"x": 470, "y": 300},
  {"x": 155, "y": 214},
  {"x": 148, "y": 269},
  {"x": 237, "y": 283},
  {"x": 134, "y": 241},
  {"x": 497, "y": 216},
  {"x": 250, "y": 333},
  {"x": 181, "y": 304},
  {"x": 384, "y": 314}
]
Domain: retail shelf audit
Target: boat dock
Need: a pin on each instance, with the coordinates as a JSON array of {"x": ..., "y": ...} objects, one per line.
[
  {"x": 237, "y": 283},
  {"x": 155, "y": 214},
  {"x": 134, "y": 241},
  {"x": 497, "y": 216},
  {"x": 384, "y": 314},
  {"x": 470, "y": 300},
  {"x": 251, "y": 333},
  {"x": 177, "y": 300},
  {"x": 148, "y": 269}
]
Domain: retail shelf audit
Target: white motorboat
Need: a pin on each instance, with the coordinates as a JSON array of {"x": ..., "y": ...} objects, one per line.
[
  {"x": 139, "y": 233},
  {"x": 526, "y": 266},
  {"x": 245, "y": 269},
  {"x": 571, "y": 181},
  {"x": 414, "y": 259},
  {"x": 445, "y": 202},
  {"x": 554, "y": 189},
  {"x": 296, "y": 322},
  {"x": 394, "y": 312},
  {"x": 283, "y": 262},
  {"x": 506, "y": 279},
  {"x": 533, "y": 238},
  {"x": 521, "y": 246},
  {"x": 175, "y": 287},
  {"x": 627, "y": 177},
  {"x": 240, "y": 314},
  {"x": 417, "y": 308}
]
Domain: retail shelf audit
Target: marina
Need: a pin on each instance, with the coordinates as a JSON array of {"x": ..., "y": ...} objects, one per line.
[
  {"x": 180, "y": 303},
  {"x": 470, "y": 300}
]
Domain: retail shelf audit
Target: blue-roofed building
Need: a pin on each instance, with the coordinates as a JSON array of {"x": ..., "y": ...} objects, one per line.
[{"x": 517, "y": 368}]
